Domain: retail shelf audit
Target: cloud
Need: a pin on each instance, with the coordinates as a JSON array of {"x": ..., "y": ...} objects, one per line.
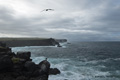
[
  {"x": 57, "y": 30},
  {"x": 72, "y": 19}
]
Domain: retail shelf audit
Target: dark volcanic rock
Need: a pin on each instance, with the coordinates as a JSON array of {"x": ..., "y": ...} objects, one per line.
[
  {"x": 54, "y": 71},
  {"x": 10, "y": 54},
  {"x": 30, "y": 66},
  {"x": 44, "y": 67},
  {"x": 20, "y": 67},
  {"x": 21, "y": 78},
  {"x": 3, "y": 53},
  {"x": 2, "y": 44},
  {"x": 8, "y": 78},
  {"x": 5, "y": 49},
  {"x": 6, "y": 63},
  {"x": 44, "y": 77},
  {"x": 24, "y": 55}
]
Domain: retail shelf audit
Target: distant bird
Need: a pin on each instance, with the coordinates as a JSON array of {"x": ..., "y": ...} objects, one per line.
[{"x": 47, "y": 10}]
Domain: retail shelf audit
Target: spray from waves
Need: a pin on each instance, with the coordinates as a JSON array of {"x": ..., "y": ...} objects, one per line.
[
  {"x": 34, "y": 48},
  {"x": 64, "y": 45},
  {"x": 69, "y": 70}
]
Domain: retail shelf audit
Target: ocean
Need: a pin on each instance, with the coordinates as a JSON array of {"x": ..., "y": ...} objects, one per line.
[{"x": 80, "y": 60}]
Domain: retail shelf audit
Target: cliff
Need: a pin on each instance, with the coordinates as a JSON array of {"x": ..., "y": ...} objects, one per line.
[
  {"x": 19, "y": 66},
  {"x": 14, "y": 42},
  {"x": 61, "y": 40}
]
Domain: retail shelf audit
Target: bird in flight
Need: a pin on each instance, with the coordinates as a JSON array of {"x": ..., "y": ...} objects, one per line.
[{"x": 47, "y": 10}]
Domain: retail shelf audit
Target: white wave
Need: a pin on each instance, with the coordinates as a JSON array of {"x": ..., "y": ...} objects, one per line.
[
  {"x": 37, "y": 60},
  {"x": 103, "y": 60},
  {"x": 69, "y": 70},
  {"x": 63, "y": 45}
]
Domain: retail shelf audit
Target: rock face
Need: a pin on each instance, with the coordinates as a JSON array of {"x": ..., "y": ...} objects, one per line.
[
  {"x": 3, "y": 47},
  {"x": 15, "y": 42},
  {"x": 6, "y": 63},
  {"x": 54, "y": 71},
  {"x": 44, "y": 67},
  {"x": 20, "y": 67},
  {"x": 30, "y": 66},
  {"x": 24, "y": 55}
]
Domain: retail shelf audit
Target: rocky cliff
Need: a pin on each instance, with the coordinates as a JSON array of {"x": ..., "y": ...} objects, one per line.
[
  {"x": 19, "y": 66},
  {"x": 14, "y": 42}
]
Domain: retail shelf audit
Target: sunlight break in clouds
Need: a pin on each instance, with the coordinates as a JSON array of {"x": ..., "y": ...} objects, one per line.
[{"x": 73, "y": 31}]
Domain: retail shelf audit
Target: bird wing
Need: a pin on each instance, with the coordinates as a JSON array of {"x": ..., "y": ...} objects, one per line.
[{"x": 47, "y": 10}]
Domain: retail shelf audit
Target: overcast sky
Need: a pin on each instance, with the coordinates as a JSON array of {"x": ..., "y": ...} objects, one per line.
[{"x": 83, "y": 20}]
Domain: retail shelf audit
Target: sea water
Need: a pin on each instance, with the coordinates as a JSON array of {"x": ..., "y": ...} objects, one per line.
[{"x": 80, "y": 60}]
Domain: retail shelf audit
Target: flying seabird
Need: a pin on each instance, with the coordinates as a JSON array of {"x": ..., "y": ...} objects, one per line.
[{"x": 47, "y": 10}]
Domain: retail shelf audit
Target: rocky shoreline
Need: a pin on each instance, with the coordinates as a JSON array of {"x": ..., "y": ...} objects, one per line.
[
  {"x": 17, "y": 42},
  {"x": 19, "y": 66}
]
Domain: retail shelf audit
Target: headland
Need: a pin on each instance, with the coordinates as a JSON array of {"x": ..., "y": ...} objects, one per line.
[{"x": 18, "y": 42}]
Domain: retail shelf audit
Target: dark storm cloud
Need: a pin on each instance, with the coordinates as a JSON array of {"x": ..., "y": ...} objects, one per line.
[
  {"x": 108, "y": 22},
  {"x": 73, "y": 19},
  {"x": 22, "y": 26}
]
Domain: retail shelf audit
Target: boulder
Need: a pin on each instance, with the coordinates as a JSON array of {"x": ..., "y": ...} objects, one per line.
[
  {"x": 36, "y": 73},
  {"x": 54, "y": 71},
  {"x": 5, "y": 49},
  {"x": 3, "y": 53},
  {"x": 30, "y": 66},
  {"x": 6, "y": 63},
  {"x": 39, "y": 78},
  {"x": 21, "y": 78},
  {"x": 2, "y": 44},
  {"x": 10, "y": 54},
  {"x": 20, "y": 67},
  {"x": 24, "y": 55},
  {"x": 8, "y": 78},
  {"x": 44, "y": 67},
  {"x": 15, "y": 74}
]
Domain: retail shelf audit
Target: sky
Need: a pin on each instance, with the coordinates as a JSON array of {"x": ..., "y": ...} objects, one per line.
[{"x": 75, "y": 20}]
